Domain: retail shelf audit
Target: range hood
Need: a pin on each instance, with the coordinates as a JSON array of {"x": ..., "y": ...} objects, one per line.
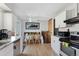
[
  {"x": 72, "y": 20},
  {"x": 74, "y": 12}
]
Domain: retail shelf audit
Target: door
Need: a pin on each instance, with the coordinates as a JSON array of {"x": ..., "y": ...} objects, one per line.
[{"x": 51, "y": 27}]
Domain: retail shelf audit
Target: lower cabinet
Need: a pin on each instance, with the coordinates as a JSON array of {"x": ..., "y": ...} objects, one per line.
[
  {"x": 7, "y": 51},
  {"x": 77, "y": 52},
  {"x": 16, "y": 47},
  {"x": 55, "y": 44},
  {"x": 12, "y": 49}
]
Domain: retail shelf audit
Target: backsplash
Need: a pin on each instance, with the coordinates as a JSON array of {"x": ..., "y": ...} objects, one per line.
[{"x": 74, "y": 29}]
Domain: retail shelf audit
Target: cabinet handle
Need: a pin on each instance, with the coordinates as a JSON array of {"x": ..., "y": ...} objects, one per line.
[{"x": 14, "y": 47}]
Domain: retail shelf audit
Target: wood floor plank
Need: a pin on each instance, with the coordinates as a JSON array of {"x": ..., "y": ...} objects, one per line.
[{"x": 38, "y": 50}]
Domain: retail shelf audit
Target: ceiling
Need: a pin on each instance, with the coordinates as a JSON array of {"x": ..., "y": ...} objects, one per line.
[{"x": 36, "y": 10}]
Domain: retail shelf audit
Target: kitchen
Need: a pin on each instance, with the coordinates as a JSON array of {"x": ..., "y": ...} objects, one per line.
[
  {"x": 12, "y": 30},
  {"x": 10, "y": 35},
  {"x": 65, "y": 27},
  {"x": 65, "y": 40}
]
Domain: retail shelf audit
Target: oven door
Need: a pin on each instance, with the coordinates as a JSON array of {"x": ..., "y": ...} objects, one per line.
[{"x": 68, "y": 50}]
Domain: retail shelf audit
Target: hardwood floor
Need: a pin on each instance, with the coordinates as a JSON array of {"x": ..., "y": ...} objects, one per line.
[{"x": 38, "y": 50}]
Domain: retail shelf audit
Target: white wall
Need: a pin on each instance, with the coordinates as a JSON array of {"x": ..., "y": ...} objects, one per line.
[
  {"x": 43, "y": 26},
  {"x": 74, "y": 28}
]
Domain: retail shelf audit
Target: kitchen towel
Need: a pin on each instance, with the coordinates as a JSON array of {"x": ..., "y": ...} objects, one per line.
[{"x": 66, "y": 44}]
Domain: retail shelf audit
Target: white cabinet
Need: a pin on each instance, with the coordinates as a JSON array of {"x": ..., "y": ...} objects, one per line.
[
  {"x": 71, "y": 11},
  {"x": 55, "y": 44},
  {"x": 8, "y": 21},
  {"x": 7, "y": 51},
  {"x": 78, "y": 8},
  {"x": 59, "y": 20},
  {"x": 1, "y": 16},
  {"x": 6, "y": 18},
  {"x": 77, "y": 52}
]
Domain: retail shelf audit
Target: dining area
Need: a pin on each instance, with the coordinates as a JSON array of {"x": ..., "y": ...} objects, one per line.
[
  {"x": 32, "y": 37},
  {"x": 34, "y": 45}
]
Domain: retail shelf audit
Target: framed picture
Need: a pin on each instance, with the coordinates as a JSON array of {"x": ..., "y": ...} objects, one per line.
[{"x": 32, "y": 25}]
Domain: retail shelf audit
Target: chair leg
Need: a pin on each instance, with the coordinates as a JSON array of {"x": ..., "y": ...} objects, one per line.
[
  {"x": 29, "y": 41},
  {"x": 33, "y": 41}
]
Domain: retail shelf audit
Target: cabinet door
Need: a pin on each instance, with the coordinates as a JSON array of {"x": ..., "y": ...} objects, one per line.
[
  {"x": 8, "y": 21},
  {"x": 56, "y": 45},
  {"x": 77, "y": 52},
  {"x": 78, "y": 8},
  {"x": 71, "y": 11},
  {"x": 1, "y": 18},
  {"x": 62, "y": 19}
]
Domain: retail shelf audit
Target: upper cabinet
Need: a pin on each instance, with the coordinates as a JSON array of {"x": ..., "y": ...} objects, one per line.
[
  {"x": 1, "y": 16},
  {"x": 71, "y": 10},
  {"x": 59, "y": 20},
  {"x": 8, "y": 21},
  {"x": 77, "y": 8},
  {"x": 72, "y": 14},
  {"x": 68, "y": 16},
  {"x": 4, "y": 16}
]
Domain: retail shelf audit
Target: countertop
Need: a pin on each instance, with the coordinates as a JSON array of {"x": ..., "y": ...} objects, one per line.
[
  {"x": 10, "y": 40},
  {"x": 59, "y": 36}
]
